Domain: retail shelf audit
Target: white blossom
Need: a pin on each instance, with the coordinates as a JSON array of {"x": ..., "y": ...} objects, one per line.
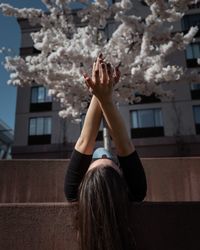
[{"x": 68, "y": 46}]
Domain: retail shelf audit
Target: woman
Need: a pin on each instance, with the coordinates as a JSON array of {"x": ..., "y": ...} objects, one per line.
[{"x": 103, "y": 189}]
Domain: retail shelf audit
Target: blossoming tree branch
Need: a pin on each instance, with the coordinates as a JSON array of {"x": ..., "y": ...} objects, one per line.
[{"x": 68, "y": 46}]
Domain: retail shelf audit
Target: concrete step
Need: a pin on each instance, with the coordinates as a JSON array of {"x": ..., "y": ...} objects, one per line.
[
  {"x": 169, "y": 179},
  {"x": 51, "y": 226}
]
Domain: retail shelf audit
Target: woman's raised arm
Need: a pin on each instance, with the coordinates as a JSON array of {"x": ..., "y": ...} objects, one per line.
[
  {"x": 103, "y": 90},
  {"x": 86, "y": 142}
]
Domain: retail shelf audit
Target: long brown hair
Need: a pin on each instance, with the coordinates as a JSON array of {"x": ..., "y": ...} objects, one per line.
[{"x": 103, "y": 211}]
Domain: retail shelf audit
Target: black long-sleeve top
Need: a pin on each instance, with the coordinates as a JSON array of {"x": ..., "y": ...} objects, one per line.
[{"x": 130, "y": 165}]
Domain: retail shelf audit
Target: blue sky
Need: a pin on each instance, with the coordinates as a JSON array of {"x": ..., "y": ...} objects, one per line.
[{"x": 10, "y": 38}]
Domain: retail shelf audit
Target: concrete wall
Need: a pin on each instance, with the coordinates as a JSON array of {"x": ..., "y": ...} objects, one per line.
[
  {"x": 157, "y": 226},
  {"x": 169, "y": 179}
]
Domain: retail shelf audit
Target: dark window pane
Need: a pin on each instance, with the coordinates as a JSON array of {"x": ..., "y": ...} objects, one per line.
[
  {"x": 147, "y": 99},
  {"x": 192, "y": 63},
  {"x": 39, "y": 139},
  {"x": 193, "y": 51},
  {"x": 147, "y": 132},
  {"x": 145, "y": 118},
  {"x": 195, "y": 94},
  {"x": 34, "y": 94},
  {"x": 41, "y": 94},
  {"x": 158, "y": 118},
  {"x": 48, "y": 98},
  {"x": 195, "y": 91},
  {"x": 196, "y": 50},
  {"x": 194, "y": 5},
  {"x": 190, "y": 20},
  {"x": 40, "y": 126},
  {"x": 196, "y": 110},
  {"x": 195, "y": 86},
  {"x": 32, "y": 127},
  {"x": 39, "y": 130},
  {"x": 47, "y": 126},
  {"x": 197, "y": 128},
  {"x": 134, "y": 117},
  {"x": 147, "y": 123},
  {"x": 40, "y": 107},
  {"x": 40, "y": 100},
  {"x": 189, "y": 53}
]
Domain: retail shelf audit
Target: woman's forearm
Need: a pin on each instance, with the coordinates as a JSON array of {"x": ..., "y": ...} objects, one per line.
[
  {"x": 117, "y": 128},
  {"x": 86, "y": 141},
  {"x": 102, "y": 87}
]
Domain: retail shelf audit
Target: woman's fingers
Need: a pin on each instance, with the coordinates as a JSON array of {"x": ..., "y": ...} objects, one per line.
[
  {"x": 98, "y": 67},
  {"x": 88, "y": 81},
  {"x": 110, "y": 72},
  {"x": 104, "y": 77},
  {"x": 116, "y": 75},
  {"x": 96, "y": 72},
  {"x": 93, "y": 70},
  {"x": 97, "y": 77},
  {"x": 102, "y": 73}
]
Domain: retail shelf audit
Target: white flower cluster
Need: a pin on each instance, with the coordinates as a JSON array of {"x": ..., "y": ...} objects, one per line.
[{"x": 69, "y": 42}]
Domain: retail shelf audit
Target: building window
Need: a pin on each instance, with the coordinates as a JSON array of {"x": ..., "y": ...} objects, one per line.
[
  {"x": 196, "y": 111},
  {"x": 39, "y": 94},
  {"x": 146, "y": 123},
  {"x": 190, "y": 20},
  {"x": 195, "y": 91},
  {"x": 40, "y": 130},
  {"x": 40, "y": 100},
  {"x": 192, "y": 54},
  {"x": 193, "y": 51},
  {"x": 194, "y": 6},
  {"x": 147, "y": 99}
]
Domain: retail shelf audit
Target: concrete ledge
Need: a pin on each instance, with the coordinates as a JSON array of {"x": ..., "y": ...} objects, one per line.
[
  {"x": 169, "y": 179},
  {"x": 50, "y": 226}
]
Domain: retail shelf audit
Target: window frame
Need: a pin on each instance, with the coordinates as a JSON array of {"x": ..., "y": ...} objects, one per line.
[
  {"x": 192, "y": 46},
  {"x": 187, "y": 21},
  {"x": 39, "y": 138},
  {"x": 37, "y": 104},
  {"x": 46, "y": 99},
  {"x": 43, "y": 125},
  {"x": 197, "y": 124},
  {"x": 157, "y": 130},
  {"x": 195, "y": 91}
]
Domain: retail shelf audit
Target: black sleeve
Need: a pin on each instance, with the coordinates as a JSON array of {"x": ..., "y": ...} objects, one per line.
[
  {"x": 78, "y": 166},
  {"x": 134, "y": 175}
]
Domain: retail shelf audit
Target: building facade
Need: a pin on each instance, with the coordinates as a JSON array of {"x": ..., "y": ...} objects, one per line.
[
  {"x": 157, "y": 128},
  {"x": 6, "y": 140}
]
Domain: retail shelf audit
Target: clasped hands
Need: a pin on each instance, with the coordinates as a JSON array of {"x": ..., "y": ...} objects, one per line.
[{"x": 103, "y": 78}]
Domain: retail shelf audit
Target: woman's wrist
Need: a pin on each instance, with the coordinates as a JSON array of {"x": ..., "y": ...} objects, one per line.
[{"x": 105, "y": 100}]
